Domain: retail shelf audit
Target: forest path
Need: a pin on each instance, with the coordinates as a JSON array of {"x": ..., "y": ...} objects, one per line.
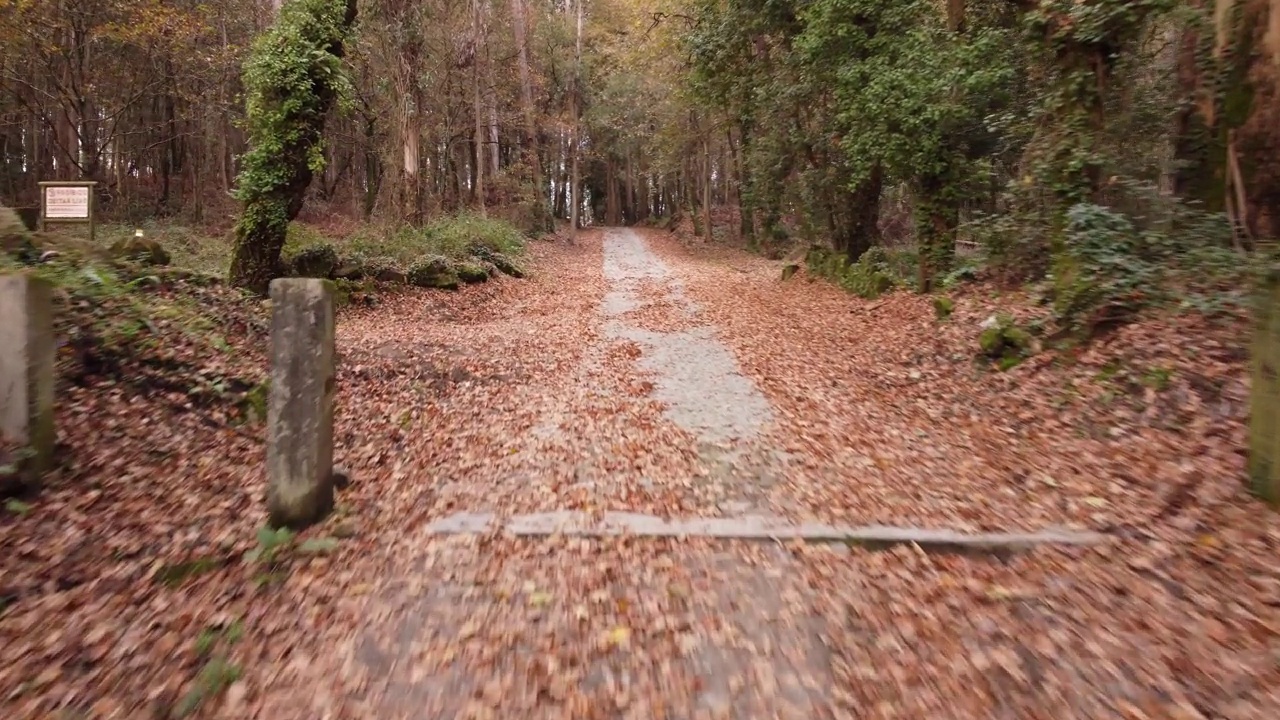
[
  {"x": 647, "y": 413},
  {"x": 635, "y": 373}
]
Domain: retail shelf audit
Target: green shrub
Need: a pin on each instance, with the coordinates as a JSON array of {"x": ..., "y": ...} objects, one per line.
[
  {"x": 1110, "y": 261},
  {"x": 457, "y": 235},
  {"x": 869, "y": 278},
  {"x": 1112, "y": 264},
  {"x": 451, "y": 237}
]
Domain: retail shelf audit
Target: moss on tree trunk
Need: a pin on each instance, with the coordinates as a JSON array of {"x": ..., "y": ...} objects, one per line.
[
  {"x": 937, "y": 218},
  {"x": 855, "y": 216},
  {"x": 292, "y": 79}
]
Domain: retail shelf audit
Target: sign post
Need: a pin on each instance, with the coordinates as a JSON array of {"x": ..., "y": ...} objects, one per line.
[{"x": 67, "y": 201}]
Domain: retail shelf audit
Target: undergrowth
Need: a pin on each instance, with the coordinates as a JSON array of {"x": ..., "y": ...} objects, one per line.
[
  {"x": 453, "y": 237},
  {"x": 398, "y": 245},
  {"x": 161, "y": 332},
  {"x": 1107, "y": 263},
  {"x": 878, "y": 271}
]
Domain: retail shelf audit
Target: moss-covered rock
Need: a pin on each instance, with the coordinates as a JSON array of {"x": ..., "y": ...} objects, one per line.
[
  {"x": 140, "y": 250},
  {"x": 434, "y": 271},
  {"x": 314, "y": 261},
  {"x": 504, "y": 264},
  {"x": 789, "y": 270},
  {"x": 471, "y": 272},
  {"x": 1004, "y": 342},
  {"x": 390, "y": 274},
  {"x": 943, "y": 307},
  {"x": 991, "y": 341},
  {"x": 349, "y": 270}
]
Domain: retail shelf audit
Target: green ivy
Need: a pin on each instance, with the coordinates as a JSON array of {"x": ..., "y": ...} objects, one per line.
[
  {"x": 292, "y": 78},
  {"x": 1082, "y": 41}
]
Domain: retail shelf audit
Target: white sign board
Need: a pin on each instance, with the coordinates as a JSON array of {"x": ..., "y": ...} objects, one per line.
[{"x": 66, "y": 202}]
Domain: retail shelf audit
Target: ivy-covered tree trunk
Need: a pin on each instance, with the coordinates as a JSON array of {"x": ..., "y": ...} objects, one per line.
[
  {"x": 746, "y": 205},
  {"x": 292, "y": 78},
  {"x": 855, "y": 216},
  {"x": 937, "y": 212}
]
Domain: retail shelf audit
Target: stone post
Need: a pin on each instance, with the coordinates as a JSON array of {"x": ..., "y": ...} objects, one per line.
[
  {"x": 300, "y": 405},
  {"x": 27, "y": 357},
  {"x": 1264, "y": 416}
]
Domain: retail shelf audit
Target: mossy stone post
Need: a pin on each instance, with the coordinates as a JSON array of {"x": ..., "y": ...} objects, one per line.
[
  {"x": 27, "y": 357},
  {"x": 1264, "y": 420},
  {"x": 300, "y": 404}
]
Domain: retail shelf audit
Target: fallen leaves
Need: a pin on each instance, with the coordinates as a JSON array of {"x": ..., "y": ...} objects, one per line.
[{"x": 121, "y": 581}]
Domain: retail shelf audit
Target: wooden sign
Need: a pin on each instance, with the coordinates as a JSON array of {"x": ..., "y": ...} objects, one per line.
[{"x": 67, "y": 202}]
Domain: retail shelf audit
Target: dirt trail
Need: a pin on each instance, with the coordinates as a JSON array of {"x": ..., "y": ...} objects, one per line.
[
  {"x": 629, "y": 374},
  {"x": 496, "y": 627},
  {"x": 635, "y": 372}
]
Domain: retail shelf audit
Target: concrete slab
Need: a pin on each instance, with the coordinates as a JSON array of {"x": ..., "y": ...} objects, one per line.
[{"x": 752, "y": 527}]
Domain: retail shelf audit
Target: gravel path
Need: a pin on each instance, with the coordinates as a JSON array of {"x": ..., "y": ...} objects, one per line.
[{"x": 694, "y": 375}]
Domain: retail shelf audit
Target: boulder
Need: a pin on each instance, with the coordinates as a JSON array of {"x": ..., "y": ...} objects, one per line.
[
  {"x": 472, "y": 272},
  {"x": 504, "y": 264},
  {"x": 314, "y": 261},
  {"x": 349, "y": 270},
  {"x": 1005, "y": 342},
  {"x": 433, "y": 271},
  {"x": 390, "y": 274},
  {"x": 789, "y": 270},
  {"x": 140, "y": 250}
]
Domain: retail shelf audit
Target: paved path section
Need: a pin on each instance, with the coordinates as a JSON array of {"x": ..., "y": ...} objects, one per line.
[{"x": 440, "y": 643}]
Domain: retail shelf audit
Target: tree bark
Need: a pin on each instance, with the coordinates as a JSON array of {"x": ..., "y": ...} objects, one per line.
[
  {"x": 478, "y": 161},
  {"x": 706, "y": 187},
  {"x": 575, "y": 145},
  {"x": 276, "y": 183}
]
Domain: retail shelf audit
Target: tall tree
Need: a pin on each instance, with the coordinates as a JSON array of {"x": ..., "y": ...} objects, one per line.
[{"x": 292, "y": 79}]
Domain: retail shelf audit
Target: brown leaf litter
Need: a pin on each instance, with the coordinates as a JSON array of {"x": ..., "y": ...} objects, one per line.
[{"x": 125, "y": 583}]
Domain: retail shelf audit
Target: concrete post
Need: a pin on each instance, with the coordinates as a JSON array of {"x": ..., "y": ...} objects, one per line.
[
  {"x": 27, "y": 357},
  {"x": 1264, "y": 416},
  {"x": 300, "y": 405}
]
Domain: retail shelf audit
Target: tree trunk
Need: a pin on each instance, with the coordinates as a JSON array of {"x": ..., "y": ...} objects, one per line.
[
  {"x": 478, "y": 160},
  {"x": 529, "y": 140},
  {"x": 643, "y": 202},
  {"x": 575, "y": 149},
  {"x": 629, "y": 203},
  {"x": 285, "y": 127},
  {"x": 706, "y": 188},
  {"x": 613, "y": 199},
  {"x": 372, "y": 163},
  {"x": 937, "y": 217},
  {"x": 855, "y": 216}
]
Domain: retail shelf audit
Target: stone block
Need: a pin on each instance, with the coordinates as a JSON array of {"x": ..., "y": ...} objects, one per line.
[
  {"x": 300, "y": 404},
  {"x": 27, "y": 361},
  {"x": 1264, "y": 415}
]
